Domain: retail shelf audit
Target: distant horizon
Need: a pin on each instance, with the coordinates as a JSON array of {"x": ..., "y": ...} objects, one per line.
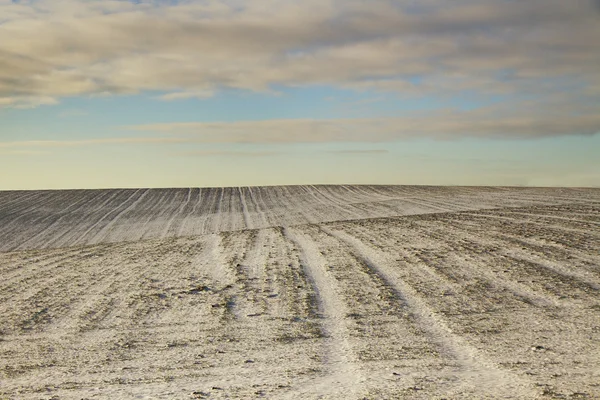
[{"x": 303, "y": 184}]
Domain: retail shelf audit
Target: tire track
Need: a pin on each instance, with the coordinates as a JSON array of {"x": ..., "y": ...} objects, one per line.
[
  {"x": 249, "y": 272},
  {"x": 34, "y": 270},
  {"x": 111, "y": 283},
  {"x": 551, "y": 217},
  {"x": 477, "y": 266},
  {"x": 294, "y": 206},
  {"x": 177, "y": 215},
  {"x": 329, "y": 204},
  {"x": 331, "y": 193},
  {"x": 83, "y": 236},
  {"x": 48, "y": 227},
  {"x": 210, "y": 260},
  {"x": 218, "y": 216},
  {"x": 264, "y": 222},
  {"x": 62, "y": 197},
  {"x": 39, "y": 219},
  {"x": 150, "y": 318},
  {"x": 265, "y": 206},
  {"x": 542, "y": 244},
  {"x": 478, "y": 374},
  {"x": 529, "y": 222},
  {"x": 583, "y": 276},
  {"x": 247, "y": 219},
  {"x": 52, "y": 293},
  {"x": 96, "y": 205},
  {"x": 190, "y": 215},
  {"x": 343, "y": 377},
  {"x": 150, "y": 226},
  {"x": 12, "y": 236},
  {"x": 10, "y": 198}
]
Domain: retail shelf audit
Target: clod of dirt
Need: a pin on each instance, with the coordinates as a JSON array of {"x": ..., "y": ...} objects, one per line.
[
  {"x": 538, "y": 348},
  {"x": 199, "y": 289}
]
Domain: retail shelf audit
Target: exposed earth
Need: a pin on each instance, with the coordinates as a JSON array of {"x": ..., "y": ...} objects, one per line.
[{"x": 300, "y": 292}]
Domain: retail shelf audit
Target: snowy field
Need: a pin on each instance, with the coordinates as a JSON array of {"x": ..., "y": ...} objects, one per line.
[{"x": 300, "y": 292}]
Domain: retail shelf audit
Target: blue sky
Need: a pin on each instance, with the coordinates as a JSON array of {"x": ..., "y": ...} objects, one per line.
[{"x": 226, "y": 93}]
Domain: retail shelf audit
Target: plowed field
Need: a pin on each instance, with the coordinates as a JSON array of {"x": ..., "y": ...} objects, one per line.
[{"x": 307, "y": 292}]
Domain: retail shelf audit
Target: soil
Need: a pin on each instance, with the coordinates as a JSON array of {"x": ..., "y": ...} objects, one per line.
[{"x": 322, "y": 292}]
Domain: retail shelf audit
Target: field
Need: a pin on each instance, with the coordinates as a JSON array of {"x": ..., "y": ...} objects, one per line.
[{"x": 300, "y": 292}]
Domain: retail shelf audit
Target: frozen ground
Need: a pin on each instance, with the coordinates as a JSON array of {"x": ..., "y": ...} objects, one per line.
[
  {"x": 480, "y": 293},
  {"x": 44, "y": 219}
]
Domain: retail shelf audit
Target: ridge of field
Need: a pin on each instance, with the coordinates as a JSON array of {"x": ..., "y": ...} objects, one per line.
[
  {"x": 62, "y": 218},
  {"x": 485, "y": 304}
]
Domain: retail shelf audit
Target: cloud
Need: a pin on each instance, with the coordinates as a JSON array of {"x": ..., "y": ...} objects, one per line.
[
  {"x": 22, "y": 152},
  {"x": 493, "y": 122},
  {"x": 233, "y": 153},
  {"x": 541, "y": 57},
  {"x": 533, "y": 120},
  {"x": 72, "y": 113},
  {"x": 52, "y": 49},
  {"x": 90, "y": 142},
  {"x": 357, "y": 152},
  {"x": 199, "y": 94},
  {"x": 24, "y": 102}
]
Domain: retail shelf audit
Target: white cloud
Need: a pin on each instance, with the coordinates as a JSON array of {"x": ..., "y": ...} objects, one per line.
[
  {"x": 90, "y": 142},
  {"x": 493, "y": 122},
  {"x": 22, "y": 152},
  {"x": 229, "y": 153},
  {"x": 50, "y": 49},
  {"x": 27, "y": 101},
  {"x": 198, "y": 94},
  {"x": 359, "y": 152}
]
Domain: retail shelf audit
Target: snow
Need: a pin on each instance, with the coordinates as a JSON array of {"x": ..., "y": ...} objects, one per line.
[
  {"x": 51, "y": 219},
  {"x": 337, "y": 292}
]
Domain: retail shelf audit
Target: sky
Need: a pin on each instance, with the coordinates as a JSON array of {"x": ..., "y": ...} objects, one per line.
[{"x": 197, "y": 93}]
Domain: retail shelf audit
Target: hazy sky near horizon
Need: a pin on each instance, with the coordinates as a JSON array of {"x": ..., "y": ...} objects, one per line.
[{"x": 165, "y": 93}]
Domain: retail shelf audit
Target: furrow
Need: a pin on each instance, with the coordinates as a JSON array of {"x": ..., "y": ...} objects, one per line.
[
  {"x": 45, "y": 229},
  {"x": 178, "y": 215},
  {"x": 343, "y": 374},
  {"x": 83, "y": 237},
  {"x": 479, "y": 376},
  {"x": 34, "y": 270},
  {"x": 183, "y": 230}
]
